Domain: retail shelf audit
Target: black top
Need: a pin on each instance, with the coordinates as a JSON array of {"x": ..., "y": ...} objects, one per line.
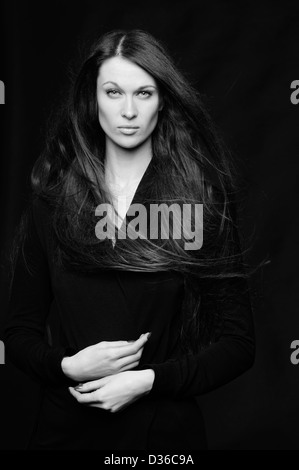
[{"x": 110, "y": 306}]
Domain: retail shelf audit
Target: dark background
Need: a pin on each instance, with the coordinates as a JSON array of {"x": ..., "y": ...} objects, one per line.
[{"x": 243, "y": 57}]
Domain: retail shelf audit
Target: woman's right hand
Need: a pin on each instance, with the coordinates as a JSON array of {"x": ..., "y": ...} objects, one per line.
[{"x": 104, "y": 358}]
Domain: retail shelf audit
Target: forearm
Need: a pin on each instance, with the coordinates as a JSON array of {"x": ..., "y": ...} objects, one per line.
[
  {"x": 193, "y": 375},
  {"x": 31, "y": 354},
  {"x": 216, "y": 364}
]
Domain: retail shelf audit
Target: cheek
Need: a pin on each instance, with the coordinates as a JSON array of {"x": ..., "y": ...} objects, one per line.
[
  {"x": 102, "y": 117},
  {"x": 152, "y": 115},
  {"x": 102, "y": 112},
  {"x": 104, "y": 104},
  {"x": 105, "y": 116}
]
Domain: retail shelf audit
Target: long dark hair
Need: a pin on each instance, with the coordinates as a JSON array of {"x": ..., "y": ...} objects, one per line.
[{"x": 191, "y": 163}]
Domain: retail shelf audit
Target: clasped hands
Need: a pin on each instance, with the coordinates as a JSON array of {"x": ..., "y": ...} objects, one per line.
[{"x": 105, "y": 372}]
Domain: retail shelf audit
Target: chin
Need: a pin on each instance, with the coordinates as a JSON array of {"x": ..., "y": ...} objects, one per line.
[{"x": 130, "y": 144}]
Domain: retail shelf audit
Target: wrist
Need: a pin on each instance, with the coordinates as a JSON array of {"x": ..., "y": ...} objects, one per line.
[
  {"x": 67, "y": 367},
  {"x": 148, "y": 377}
]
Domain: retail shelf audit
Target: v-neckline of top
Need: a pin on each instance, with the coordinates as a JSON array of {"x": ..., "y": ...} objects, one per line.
[{"x": 137, "y": 193}]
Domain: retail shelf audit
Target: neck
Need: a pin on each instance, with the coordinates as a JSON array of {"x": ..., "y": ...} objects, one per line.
[{"x": 124, "y": 167}]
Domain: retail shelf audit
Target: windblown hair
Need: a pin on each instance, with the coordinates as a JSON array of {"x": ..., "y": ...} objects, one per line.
[{"x": 191, "y": 162}]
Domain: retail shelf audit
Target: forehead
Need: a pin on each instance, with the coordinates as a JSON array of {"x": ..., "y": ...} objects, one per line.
[{"x": 124, "y": 73}]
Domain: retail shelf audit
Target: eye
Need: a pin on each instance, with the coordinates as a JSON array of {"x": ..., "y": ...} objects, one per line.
[
  {"x": 144, "y": 94},
  {"x": 112, "y": 92}
]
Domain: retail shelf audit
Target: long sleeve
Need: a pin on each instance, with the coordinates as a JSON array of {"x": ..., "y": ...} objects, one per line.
[
  {"x": 29, "y": 305},
  {"x": 233, "y": 351},
  {"x": 220, "y": 362}
]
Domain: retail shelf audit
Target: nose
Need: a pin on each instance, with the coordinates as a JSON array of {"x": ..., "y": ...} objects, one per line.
[{"x": 129, "y": 109}]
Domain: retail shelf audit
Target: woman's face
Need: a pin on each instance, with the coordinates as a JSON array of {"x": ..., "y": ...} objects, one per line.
[{"x": 128, "y": 102}]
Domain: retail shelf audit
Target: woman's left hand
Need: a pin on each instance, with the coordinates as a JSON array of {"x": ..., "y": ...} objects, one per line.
[{"x": 115, "y": 392}]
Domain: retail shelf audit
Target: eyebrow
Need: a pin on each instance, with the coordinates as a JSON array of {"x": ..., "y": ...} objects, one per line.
[{"x": 140, "y": 88}]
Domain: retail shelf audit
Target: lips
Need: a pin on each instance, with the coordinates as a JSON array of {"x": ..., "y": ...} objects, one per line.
[{"x": 128, "y": 130}]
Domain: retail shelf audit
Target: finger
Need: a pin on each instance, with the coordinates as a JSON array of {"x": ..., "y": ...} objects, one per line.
[
  {"x": 127, "y": 360},
  {"x": 85, "y": 398},
  {"x": 107, "y": 408},
  {"x": 132, "y": 348},
  {"x": 91, "y": 386},
  {"x": 98, "y": 405},
  {"x": 129, "y": 366},
  {"x": 121, "y": 343},
  {"x": 116, "y": 344}
]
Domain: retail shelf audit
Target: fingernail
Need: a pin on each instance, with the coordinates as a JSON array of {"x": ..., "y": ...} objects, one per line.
[
  {"x": 149, "y": 334},
  {"x": 78, "y": 386}
]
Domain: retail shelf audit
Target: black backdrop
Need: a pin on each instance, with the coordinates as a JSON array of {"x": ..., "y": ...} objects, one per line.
[{"x": 243, "y": 56}]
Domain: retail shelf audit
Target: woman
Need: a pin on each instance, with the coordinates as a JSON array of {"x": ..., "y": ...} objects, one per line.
[{"x": 140, "y": 325}]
